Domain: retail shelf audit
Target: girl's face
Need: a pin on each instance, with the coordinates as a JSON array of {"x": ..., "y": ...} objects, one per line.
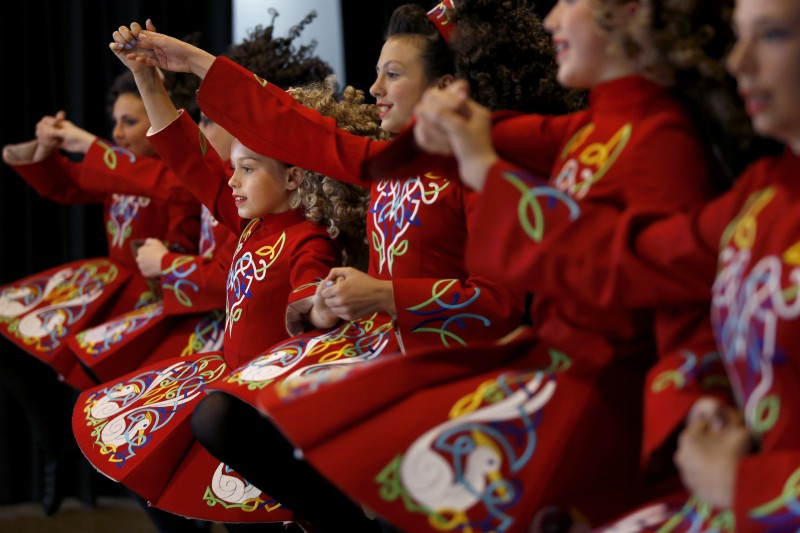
[
  {"x": 260, "y": 185},
  {"x": 583, "y": 50},
  {"x": 131, "y": 125},
  {"x": 400, "y": 82},
  {"x": 219, "y": 138},
  {"x": 766, "y": 64}
]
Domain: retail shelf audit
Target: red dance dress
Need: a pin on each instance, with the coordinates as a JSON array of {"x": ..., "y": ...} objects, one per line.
[
  {"x": 40, "y": 312},
  {"x": 135, "y": 429}
]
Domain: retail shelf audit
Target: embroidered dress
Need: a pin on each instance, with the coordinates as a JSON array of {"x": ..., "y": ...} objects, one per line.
[
  {"x": 190, "y": 317},
  {"x": 751, "y": 237},
  {"x": 277, "y": 264},
  {"x": 545, "y": 426},
  {"x": 417, "y": 229},
  {"x": 40, "y": 312}
]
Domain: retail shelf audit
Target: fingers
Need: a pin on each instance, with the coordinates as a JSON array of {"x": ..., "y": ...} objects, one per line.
[
  {"x": 126, "y": 37},
  {"x": 149, "y": 25}
]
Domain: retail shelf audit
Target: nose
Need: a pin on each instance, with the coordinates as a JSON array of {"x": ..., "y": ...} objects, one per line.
[
  {"x": 118, "y": 133},
  {"x": 376, "y": 89},
  {"x": 233, "y": 182},
  {"x": 740, "y": 58},
  {"x": 550, "y": 22}
]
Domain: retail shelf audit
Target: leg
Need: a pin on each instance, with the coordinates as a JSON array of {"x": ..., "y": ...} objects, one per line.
[{"x": 221, "y": 423}]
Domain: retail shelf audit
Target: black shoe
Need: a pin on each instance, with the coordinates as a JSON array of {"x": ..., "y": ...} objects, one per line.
[{"x": 52, "y": 489}]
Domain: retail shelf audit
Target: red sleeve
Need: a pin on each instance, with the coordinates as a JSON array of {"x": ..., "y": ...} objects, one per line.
[
  {"x": 454, "y": 312},
  {"x": 194, "y": 283},
  {"x": 270, "y": 122},
  {"x": 689, "y": 368},
  {"x": 186, "y": 151},
  {"x": 311, "y": 261},
  {"x": 532, "y": 142},
  {"x": 766, "y": 492},
  {"x": 56, "y": 178},
  {"x": 534, "y": 234},
  {"x": 183, "y": 226},
  {"x": 111, "y": 169}
]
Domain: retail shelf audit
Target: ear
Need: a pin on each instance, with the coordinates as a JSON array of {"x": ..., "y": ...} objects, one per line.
[
  {"x": 444, "y": 81},
  {"x": 294, "y": 177}
]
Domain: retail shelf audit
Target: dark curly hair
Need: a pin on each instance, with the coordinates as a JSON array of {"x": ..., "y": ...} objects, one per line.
[
  {"x": 340, "y": 207},
  {"x": 499, "y": 47},
  {"x": 683, "y": 44},
  {"x": 123, "y": 84},
  {"x": 504, "y": 52},
  {"x": 277, "y": 59}
]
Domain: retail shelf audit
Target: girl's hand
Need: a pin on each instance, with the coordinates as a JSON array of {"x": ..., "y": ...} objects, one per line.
[
  {"x": 709, "y": 450},
  {"x": 70, "y": 137},
  {"x": 321, "y": 316},
  {"x": 448, "y": 121},
  {"x": 124, "y": 40},
  {"x": 149, "y": 256},
  {"x": 159, "y": 50},
  {"x": 47, "y": 131},
  {"x": 352, "y": 294}
]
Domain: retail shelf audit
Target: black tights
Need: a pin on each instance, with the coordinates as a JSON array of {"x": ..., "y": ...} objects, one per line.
[{"x": 222, "y": 423}]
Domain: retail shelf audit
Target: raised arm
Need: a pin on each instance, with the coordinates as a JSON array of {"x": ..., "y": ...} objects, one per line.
[
  {"x": 153, "y": 49},
  {"x": 160, "y": 109}
]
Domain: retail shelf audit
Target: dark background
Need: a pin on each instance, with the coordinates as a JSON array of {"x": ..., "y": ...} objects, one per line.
[{"x": 54, "y": 56}]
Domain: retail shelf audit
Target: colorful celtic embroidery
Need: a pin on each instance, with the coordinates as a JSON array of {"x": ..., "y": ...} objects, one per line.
[
  {"x": 747, "y": 307},
  {"x": 354, "y": 342},
  {"x": 101, "y": 339},
  {"x": 461, "y": 473},
  {"x": 123, "y": 211},
  {"x": 124, "y": 417},
  {"x": 395, "y": 209},
  {"x": 530, "y": 210},
  {"x": 247, "y": 269},
  {"x": 231, "y": 491},
  {"x": 441, "y": 310},
  {"x": 782, "y": 513},
  {"x": 42, "y": 311}
]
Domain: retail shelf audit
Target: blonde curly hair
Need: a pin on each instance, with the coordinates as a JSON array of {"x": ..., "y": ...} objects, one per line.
[{"x": 340, "y": 207}]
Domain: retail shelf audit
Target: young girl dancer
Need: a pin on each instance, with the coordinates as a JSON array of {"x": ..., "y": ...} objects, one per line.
[
  {"x": 40, "y": 312},
  {"x": 191, "y": 318},
  {"x": 285, "y": 249}
]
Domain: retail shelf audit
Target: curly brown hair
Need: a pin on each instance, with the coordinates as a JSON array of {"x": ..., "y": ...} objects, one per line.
[
  {"x": 683, "y": 44},
  {"x": 340, "y": 207},
  {"x": 504, "y": 52},
  {"x": 277, "y": 59}
]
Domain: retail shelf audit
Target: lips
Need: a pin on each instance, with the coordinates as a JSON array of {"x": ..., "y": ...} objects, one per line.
[
  {"x": 561, "y": 48},
  {"x": 383, "y": 109},
  {"x": 755, "y": 101},
  {"x": 238, "y": 199}
]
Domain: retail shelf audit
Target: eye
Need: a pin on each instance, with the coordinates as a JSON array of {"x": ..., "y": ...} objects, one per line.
[
  {"x": 392, "y": 75},
  {"x": 774, "y": 33},
  {"x": 130, "y": 122}
]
